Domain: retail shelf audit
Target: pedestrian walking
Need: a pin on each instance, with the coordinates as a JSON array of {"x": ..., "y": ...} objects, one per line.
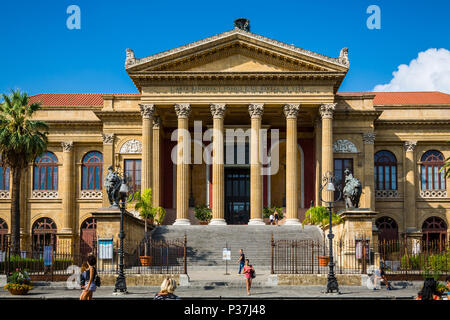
[
  {"x": 168, "y": 287},
  {"x": 271, "y": 219},
  {"x": 249, "y": 273},
  {"x": 447, "y": 280},
  {"x": 428, "y": 291},
  {"x": 241, "y": 261},
  {"x": 92, "y": 283},
  {"x": 83, "y": 274}
]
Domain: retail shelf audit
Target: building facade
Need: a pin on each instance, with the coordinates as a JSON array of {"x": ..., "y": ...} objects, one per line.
[{"x": 215, "y": 100}]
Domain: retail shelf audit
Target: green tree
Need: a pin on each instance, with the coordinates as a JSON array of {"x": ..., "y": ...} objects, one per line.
[{"x": 21, "y": 141}]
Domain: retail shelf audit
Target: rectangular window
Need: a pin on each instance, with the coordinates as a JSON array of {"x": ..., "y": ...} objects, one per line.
[
  {"x": 339, "y": 167},
  {"x": 133, "y": 174}
]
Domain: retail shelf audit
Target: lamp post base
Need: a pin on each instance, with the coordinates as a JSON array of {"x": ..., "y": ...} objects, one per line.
[
  {"x": 332, "y": 284},
  {"x": 121, "y": 285}
]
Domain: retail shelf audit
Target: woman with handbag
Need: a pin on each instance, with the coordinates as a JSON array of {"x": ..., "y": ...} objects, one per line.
[
  {"x": 249, "y": 273},
  {"x": 91, "y": 274}
]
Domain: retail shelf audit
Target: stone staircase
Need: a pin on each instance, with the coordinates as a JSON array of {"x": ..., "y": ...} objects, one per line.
[{"x": 205, "y": 243}]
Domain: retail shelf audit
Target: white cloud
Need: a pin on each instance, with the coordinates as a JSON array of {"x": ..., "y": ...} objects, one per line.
[{"x": 430, "y": 71}]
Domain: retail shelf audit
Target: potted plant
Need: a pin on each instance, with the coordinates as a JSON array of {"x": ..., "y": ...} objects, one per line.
[
  {"x": 19, "y": 283},
  {"x": 160, "y": 214},
  {"x": 319, "y": 216},
  {"x": 203, "y": 213},
  {"x": 267, "y": 211},
  {"x": 144, "y": 205}
]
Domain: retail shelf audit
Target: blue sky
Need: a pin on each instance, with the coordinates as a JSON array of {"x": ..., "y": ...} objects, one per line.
[{"x": 40, "y": 54}]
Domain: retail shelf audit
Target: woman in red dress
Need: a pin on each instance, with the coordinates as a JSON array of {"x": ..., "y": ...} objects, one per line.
[{"x": 249, "y": 272}]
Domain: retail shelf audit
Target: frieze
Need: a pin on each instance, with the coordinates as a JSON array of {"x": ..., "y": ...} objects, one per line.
[
  {"x": 344, "y": 146},
  {"x": 131, "y": 146},
  {"x": 183, "y": 90}
]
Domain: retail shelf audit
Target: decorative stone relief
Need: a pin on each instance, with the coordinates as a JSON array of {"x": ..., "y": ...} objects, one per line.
[
  {"x": 433, "y": 193},
  {"x": 108, "y": 138},
  {"x": 67, "y": 146},
  {"x": 218, "y": 110},
  {"x": 369, "y": 137},
  {"x": 91, "y": 194},
  {"x": 147, "y": 110},
  {"x": 256, "y": 110},
  {"x": 183, "y": 110},
  {"x": 130, "y": 58},
  {"x": 4, "y": 194},
  {"x": 326, "y": 110},
  {"x": 44, "y": 194},
  {"x": 343, "y": 57},
  {"x": 386, "y": 193},
  {"x": 344, "y": 146},
  {"x": 131, "y": 146},
  {"x": 410, "y": 146},
  {"x": 291, "y": 110}
]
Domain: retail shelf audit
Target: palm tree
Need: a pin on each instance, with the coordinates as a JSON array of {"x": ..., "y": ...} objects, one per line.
[{"x": 21, "y": 141}]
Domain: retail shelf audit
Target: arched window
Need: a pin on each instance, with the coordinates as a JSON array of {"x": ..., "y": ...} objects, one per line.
[
  {"x": 3, "y": 234},
  {"x": 4, "y": 178},
  {"x": 388, "y": 229},
  {"x": 385, "y": 171},
  {"x": 46, "y": 172},
  {"x": 431, "y": 179},
  {"x": 434, "y": 231},
  {"x": 44, "y": 234},
  {"x": 91, "y": 171}
]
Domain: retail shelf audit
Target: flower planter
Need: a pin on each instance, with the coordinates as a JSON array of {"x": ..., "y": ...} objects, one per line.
[
  {"x": 323, "y": 261},
  {"x": 204, "y": 223},
  {"x": 18, "y": 291},
  {"x": 146, "y": 261}
]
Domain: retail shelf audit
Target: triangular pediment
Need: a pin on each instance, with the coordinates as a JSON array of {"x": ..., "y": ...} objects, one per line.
[{"x": 237, "y": 51}]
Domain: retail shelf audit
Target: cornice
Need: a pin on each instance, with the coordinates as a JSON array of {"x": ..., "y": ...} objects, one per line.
[
  {"x": 343, "y": 114},
  {"x": 412, "y": 122},
  {"x": 66, "y": 123},
  {"x": 131, "y": 62}
]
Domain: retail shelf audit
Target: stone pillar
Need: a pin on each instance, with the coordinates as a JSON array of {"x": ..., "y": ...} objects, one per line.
[
  {"x": 67, "y": 188},
  {"x": 157, "y": 161},
  {"x": 183, "y": 159},
  {"x": 108, "y": 161},
  {"x": 410, "y": 188},
  {"x": 369, "y": 181},
  {"x": 326, "y": 112},
  {"x": 318, "y": 156},
  {"x": 291, "y": 112},
  {"x": 218, "y": 180},
  {"x": 256, "y": 112},
  {"x": 147, "y": 142}
]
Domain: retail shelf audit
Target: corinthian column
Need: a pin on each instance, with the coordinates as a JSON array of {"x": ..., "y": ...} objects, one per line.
[
  {"x": 157, "y": 161},
  {"x": 218, "y": 204},
  {"x": 291, "y": 112},
  {"x": 369, "y": 181},
  {"x": 326, "y": 112},
  {"x": 67, "y": 190},
  {"x": 147, "y": 142},
  {"x": 410, "y": 188},
  {"x": 256, "y": 112},
  {"x": 183, "y": 159}
]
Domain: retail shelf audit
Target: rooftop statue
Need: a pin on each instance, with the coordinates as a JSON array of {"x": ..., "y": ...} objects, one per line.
[{"x": 352, "y": 190}]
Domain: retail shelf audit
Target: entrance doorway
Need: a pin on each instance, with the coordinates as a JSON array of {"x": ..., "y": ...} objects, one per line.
[{"x": 237, "y": 195}]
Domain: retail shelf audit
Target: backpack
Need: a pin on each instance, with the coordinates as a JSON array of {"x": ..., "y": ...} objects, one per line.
[
  {"x": 97, "y": 280},
  {"x": 252, "y": 274}
]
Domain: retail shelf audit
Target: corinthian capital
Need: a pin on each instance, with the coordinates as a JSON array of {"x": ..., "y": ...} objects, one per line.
[
  {"x": 183, "y": 110},
  {"x": 256, "y": 110},
  {"x": 291, "y": 110},
  {"x": 108, "y": 138},
  {"x": 326, "y": 110},
  {"x": 369, "y": 137},
  {"x": 156, "y": 122},
  {"x": 67, "y": 146},
  {"x": 218, "y": 110},
  {"x": 147, "y": 110},
  {"x": 410, "y": 146}
]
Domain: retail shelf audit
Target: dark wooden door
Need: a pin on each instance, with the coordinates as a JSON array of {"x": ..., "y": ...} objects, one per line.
[{"x": 237, "y": 195}]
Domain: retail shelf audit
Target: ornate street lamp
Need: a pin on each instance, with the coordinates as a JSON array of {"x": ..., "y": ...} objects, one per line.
[
  {"x": 328, "y": 182},
  {"x": 121, "y": 285}
]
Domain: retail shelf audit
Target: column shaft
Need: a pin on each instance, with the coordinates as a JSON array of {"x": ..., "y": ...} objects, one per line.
[
  {"x": 326, "y": 111},
  {"x": 318, "y": 156},
  {"x": 410, "y": 188},
  {"x": 157, "y": 161},
  {"x": 256, "y": 111},
  {"x": 291, "y": 112},
  {"x": 67, "y": 189},
  {"x": 183, "y": 159},
  {"x": 218, "y": 203},
  {"x": 147, "y": 148},
  {"x": 369, "y": 181}
]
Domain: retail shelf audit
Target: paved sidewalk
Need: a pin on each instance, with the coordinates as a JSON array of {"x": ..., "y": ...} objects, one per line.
[{"x": 224, "y": 292}]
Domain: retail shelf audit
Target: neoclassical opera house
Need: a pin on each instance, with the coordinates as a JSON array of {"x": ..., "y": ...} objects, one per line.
[{"x": 394, "y": 142}]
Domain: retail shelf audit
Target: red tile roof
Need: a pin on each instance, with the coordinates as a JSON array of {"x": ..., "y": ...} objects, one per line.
[
  {"x": 381, "y": 98},
  {"x": 406, "y": 98},
  {"x": 72, "y": 99}
]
